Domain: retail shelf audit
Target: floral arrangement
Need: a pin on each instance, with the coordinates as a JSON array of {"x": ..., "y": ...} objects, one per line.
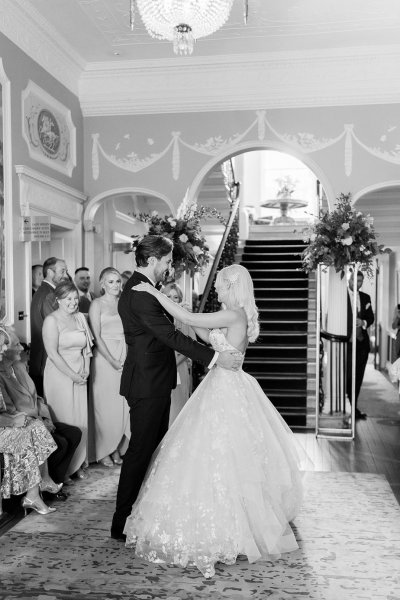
[
  {"x": 190, "y": 253},
  {"x": 341, "y": 237},
  {"x": 287, "y": 185}
]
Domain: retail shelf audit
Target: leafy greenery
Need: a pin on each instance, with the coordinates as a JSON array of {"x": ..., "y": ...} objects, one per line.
[
  {"x": 341, "y": 237},
  {"x": 190, "y": 253}
]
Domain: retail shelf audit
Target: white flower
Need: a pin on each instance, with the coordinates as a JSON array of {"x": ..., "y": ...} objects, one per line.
[
  {"x": 367, "y": 252},
  {"x": 171, "y": 222},
  {"x": 197, "y": 250},
  {"x": 362, "y": 248},
  {"x": 347, "y": 241},
  {"x": 183, "y": 237},
  {"x": 345, "y": 226},
  {"x": 313, "y": 237},
  {"x": 154, "y": 213}
]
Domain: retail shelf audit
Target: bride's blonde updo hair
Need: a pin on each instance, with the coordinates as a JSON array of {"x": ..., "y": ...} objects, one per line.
[{"x": 241, "y": 294}]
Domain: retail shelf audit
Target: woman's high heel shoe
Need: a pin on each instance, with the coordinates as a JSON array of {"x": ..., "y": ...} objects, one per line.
[
  {"x": 34, "y": 505},
  {"x": 51, "y": 488},
  {"x": 115, "y": 457},
  {"x": 106, "y": 462}
]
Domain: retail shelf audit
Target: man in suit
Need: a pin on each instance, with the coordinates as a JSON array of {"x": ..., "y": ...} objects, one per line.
[
  {"x": 149, "y": 372},
  {"x": 82, "y": 282},
  {"x": 37, "y": 277},
  {"x": 365, "y": 318},
  {"x": 21, "y": 390},
  {"x": 43, "y": 303}
]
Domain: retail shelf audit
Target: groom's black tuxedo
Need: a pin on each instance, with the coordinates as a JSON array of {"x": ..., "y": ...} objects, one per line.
[
  {"x": 150, "y": 365},
  {"x": 148, "y": 376}
]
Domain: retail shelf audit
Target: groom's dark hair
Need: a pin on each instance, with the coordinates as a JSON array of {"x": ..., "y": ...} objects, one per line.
[{"x": 152, "y": 245}]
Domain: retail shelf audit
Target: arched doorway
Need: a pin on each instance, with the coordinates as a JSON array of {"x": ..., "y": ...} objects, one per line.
[{"x": 109, "y": 220}]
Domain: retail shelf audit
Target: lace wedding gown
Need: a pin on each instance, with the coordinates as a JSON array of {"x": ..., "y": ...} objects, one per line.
[{"x": 224, "y": 480}]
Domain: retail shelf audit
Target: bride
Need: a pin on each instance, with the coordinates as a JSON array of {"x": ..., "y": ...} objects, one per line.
[{"x": 225, "y": 479}]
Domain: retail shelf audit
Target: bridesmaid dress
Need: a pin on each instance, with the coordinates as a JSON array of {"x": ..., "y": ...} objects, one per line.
[
  {"x": 68, "y": 401},
  {"x": 109, "y": 410}
]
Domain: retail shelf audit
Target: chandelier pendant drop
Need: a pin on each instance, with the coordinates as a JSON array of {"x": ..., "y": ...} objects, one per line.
[{"x": 182, "y": 21}]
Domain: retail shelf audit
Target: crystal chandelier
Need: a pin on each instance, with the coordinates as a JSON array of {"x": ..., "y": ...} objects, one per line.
[{"x": 181, "y": 21}]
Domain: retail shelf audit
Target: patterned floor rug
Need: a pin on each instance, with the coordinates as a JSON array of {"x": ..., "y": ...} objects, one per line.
[{"x": 348, "y": 532}]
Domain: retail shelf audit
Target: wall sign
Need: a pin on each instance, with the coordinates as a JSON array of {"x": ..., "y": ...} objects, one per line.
[
  {"x": 34, "y": 229},
  {"x": 48, "y": 130}
]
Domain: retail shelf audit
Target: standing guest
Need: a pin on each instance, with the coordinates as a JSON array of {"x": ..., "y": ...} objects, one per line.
[
  {"x": 110, "y": 410},
  {"x": 25, "y": 444},
  {"x": 82, "y": 282},
  {"x": 37, "y": 277},
  {"x": 125, "y": 275},
  {"x": 21, "y": 389},
  {"x": 396, "y": 325},
  {"x": 43, "y": 303},
  {"x": 364, "y": 319},
  {"x": 180, "y": 395},
  {"x": 67, "y": 340}
]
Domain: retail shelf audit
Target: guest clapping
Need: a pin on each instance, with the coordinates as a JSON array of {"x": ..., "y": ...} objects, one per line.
[
  {"x": 68, "y": 340},
  {"x": 25, "y": 444},
  {"x": 110, "y": 411}
]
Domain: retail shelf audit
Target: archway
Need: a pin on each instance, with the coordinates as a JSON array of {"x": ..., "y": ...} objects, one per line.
[
  {"x": 109, "y": 219},
  {"x": 254, "y": 145}
]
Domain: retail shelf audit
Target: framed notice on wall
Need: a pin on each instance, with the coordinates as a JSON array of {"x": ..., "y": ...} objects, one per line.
[
  {"x": 48, "y": 130},
  {"x": 34, "y": 229}
]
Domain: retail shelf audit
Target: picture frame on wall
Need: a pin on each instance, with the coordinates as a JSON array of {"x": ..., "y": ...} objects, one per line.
[{"x": 48, "y": 130}]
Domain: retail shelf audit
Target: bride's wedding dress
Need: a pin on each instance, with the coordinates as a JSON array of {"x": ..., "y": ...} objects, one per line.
[{"x": 224, "y": 481}]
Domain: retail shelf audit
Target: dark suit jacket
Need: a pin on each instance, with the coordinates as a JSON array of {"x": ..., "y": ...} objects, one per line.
[
  {"x": 43, "y": 303},
  {"x": 150, "y": 366},
  {"x": 84, "y": 303},
  {"x": 365, "y": 313}
]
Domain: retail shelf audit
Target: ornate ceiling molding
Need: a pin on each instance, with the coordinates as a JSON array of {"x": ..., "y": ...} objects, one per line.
[
  {"x": 333, "y": 77},
  {"x": 33, "y": 34}
]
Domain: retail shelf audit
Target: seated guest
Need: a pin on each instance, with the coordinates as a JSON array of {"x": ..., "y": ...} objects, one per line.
[
  {"x": 15, "y": 379},
  {"x": 25, "y": 444},
  {"x": 67, "y": 340}
]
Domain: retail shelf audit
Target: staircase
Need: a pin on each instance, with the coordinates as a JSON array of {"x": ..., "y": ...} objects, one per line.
[{"x": 280, "y": 356}]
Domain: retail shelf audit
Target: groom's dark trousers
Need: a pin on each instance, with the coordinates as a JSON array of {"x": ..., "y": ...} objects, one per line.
[{"x": 148, "y": 377}]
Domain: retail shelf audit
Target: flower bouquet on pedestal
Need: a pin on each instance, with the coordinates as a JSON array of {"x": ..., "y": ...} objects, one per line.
[
  {"x": 341, "y": 237},
  {"x": 190, "y": 253}
]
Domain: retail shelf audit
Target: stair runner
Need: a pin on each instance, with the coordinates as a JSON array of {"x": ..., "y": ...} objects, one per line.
[{"x": 278, "y": 359}]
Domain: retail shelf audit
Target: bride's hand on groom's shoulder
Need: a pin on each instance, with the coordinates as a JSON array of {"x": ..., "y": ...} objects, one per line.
[{"x": 144, "y": 287}]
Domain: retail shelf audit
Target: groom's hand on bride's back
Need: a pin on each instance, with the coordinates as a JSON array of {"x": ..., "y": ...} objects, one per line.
[{"x": 230, "y": 360}]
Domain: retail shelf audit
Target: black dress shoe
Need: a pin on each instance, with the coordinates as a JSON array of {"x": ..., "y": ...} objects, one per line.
[
  {"x": 118, "y": 535},
  {"x": 360, "y": 415},
  {"x": 60, "y": 496}
]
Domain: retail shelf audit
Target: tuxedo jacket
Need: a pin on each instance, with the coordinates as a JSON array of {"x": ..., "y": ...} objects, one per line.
[
  {"x": 84, "y": 303},
  {"x": 151, "y": 338},
  {"x": 365, "y": 313},
  {"x": 43, "y": 303}
]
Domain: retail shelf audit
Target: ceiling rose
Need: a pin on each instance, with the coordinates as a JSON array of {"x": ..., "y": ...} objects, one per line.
[{"x": 182, "y": 21}]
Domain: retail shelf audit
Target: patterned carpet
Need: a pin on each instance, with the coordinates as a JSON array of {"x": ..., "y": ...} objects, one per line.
[{"x": 348, "y": 532}]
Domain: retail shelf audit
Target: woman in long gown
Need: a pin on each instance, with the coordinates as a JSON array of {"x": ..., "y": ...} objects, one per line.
[
  {"x": 225, "y": 479},
  {"x": 110, "y": 412},
  {"x": 68, "y": 340},
  {"x": 25, "y": 444},
  {"x": 181, "y": 393}
]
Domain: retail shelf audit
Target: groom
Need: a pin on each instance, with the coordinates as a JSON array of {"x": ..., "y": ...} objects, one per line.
[{"x": 149, "y": 372}]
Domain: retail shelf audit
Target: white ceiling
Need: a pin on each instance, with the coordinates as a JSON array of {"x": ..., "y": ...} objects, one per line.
[{"x": 98, "y": 30}]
